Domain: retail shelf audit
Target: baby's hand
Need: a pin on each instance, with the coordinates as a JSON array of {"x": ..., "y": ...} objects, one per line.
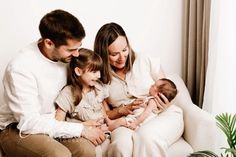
[{"x": 133, "y": 125}]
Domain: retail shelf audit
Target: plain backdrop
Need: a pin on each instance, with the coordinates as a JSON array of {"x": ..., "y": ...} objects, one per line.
[{"x": 154, "y": 27}]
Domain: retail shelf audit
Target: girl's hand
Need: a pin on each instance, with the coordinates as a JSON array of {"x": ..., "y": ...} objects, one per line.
[{"x": 162, "y": 102}]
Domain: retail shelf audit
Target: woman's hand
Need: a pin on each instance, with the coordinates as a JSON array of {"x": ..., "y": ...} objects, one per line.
[
  {"x": 129, "y": 108},
  {"x": 162, "y": 102}
]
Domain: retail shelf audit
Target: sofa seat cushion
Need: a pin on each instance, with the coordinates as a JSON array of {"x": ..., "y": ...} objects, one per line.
[{"x": 179, "y": 149}]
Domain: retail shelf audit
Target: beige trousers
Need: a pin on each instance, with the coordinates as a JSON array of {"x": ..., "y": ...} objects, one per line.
[
  {"x": 42, "y": 145},
  {"x": 151, "y": 139}
]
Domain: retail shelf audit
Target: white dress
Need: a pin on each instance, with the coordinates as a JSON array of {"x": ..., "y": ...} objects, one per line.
[{"x": 154, "y": 137}]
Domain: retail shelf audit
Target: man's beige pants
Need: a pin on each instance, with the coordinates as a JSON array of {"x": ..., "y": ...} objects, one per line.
[{"x": 40, "y": 145}]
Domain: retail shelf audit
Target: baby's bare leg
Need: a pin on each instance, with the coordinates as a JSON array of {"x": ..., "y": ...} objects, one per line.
[{"x": 113, "y": 124}]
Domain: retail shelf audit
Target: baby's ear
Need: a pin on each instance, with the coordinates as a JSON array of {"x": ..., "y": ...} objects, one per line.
[{"x": 78, "y": 71}]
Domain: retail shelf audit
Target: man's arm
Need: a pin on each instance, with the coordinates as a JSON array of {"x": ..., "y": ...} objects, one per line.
[{"x": 23, "y": 100}]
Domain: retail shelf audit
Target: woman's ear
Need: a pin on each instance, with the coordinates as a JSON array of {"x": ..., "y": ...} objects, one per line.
[{"x": 78, "y": 71}]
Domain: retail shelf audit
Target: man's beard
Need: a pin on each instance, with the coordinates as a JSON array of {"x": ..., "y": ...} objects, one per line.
[{"x": 65, "y": 60}]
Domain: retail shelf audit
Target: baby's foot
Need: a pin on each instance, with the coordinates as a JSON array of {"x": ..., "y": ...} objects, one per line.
[{"x": 113, "y": 124}]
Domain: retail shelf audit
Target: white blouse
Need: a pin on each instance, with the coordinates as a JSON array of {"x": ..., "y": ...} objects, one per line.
[{"x": 137, "y": 82}]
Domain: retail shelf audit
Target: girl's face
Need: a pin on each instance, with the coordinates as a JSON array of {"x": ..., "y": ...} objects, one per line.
[
  {"x": 118, "y": 52},
  {"x": 90, "y": 78}
]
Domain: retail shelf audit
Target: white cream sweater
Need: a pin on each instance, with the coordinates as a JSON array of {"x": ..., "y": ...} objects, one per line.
[{"x": 31, "y": 83}]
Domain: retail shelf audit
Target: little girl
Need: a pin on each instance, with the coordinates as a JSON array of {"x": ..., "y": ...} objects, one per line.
[{"x": 83, "y": 97}]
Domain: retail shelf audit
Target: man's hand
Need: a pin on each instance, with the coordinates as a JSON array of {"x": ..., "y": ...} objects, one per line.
[{"x": 93, "y": 134}]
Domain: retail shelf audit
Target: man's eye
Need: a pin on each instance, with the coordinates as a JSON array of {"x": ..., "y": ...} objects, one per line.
[{"x": 71, "y": 50}]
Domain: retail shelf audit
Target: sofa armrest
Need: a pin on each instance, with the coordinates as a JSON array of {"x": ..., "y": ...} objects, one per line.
[{"x": 200, "y": 126}]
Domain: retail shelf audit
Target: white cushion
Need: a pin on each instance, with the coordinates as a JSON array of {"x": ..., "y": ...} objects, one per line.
[{"x": 179, "y": 149}]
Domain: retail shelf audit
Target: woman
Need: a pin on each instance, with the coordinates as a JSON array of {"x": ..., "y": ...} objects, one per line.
[{"x": 129, "y": 76}]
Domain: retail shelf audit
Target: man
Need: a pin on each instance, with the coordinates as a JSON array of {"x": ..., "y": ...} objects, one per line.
[{"x": 31, "y": 82}]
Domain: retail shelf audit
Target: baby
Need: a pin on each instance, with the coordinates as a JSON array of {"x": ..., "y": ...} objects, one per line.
[{"x": 149, "y": 109}]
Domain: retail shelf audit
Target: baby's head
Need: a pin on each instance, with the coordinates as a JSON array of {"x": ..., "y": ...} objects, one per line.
[{"x": 164, "y": 86}]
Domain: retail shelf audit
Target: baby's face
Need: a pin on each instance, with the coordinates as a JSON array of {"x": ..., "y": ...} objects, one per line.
[{"x": 153, "y": 91}]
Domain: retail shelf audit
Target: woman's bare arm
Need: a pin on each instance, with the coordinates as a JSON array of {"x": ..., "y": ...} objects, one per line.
[{"x": 123, "y": 110}]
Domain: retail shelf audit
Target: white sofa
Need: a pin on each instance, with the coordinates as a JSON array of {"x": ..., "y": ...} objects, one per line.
[
  {"x": 199, "y": 126},
  {"x": 199, "y": 129}
]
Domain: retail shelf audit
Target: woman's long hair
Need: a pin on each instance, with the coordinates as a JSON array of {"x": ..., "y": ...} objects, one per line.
[
  {"x": 87, "y": 61},
  {"x": 106, "y": 35}
]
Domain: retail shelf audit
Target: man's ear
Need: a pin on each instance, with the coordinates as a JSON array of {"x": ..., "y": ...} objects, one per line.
[
  {"x": 78, "y": 71},
  {"x": 48, "y": 43}
]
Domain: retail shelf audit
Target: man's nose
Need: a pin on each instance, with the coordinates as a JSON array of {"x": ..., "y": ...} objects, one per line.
[{"x": 75, "y": 53}]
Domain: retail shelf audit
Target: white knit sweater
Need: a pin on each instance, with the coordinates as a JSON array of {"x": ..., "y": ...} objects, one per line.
[{"x": 31, "y": 83}]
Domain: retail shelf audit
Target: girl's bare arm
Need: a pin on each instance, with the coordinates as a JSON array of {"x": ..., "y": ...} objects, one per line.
[{"x": 60, "y": 114}]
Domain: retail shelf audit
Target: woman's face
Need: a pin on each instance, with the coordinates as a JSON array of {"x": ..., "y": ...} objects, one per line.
[{"x": 118, "y": 52}]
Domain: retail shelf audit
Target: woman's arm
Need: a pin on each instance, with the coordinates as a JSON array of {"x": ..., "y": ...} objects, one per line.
[
  {"x": 122, "y": 110},
  {"x": 112, "y": 113}
]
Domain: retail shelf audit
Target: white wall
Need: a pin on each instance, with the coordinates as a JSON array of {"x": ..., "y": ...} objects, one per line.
[{"x": 153, "y": 28}]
